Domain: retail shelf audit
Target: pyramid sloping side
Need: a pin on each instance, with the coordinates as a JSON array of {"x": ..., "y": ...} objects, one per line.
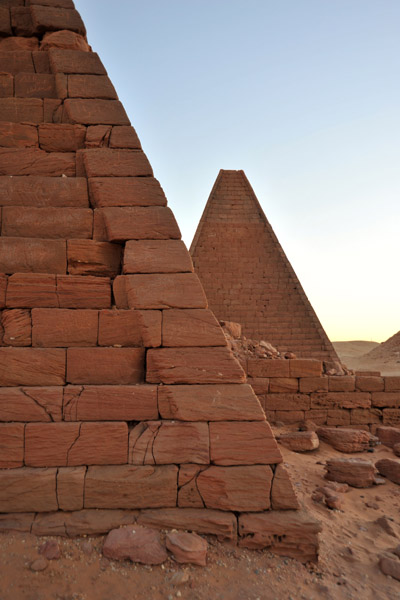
[
  {"x": 117, "y": 389},
  {"x": 247, "y": 276},
  {"x": 387, "y": 349}
]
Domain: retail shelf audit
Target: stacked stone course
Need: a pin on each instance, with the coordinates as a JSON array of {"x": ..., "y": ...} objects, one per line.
[{"x": 119, "y": 398}]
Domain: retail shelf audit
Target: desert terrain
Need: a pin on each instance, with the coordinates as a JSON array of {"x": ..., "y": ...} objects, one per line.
[
  {"x": 351, "y": 542},
  {"x": 369, "y": 356}
]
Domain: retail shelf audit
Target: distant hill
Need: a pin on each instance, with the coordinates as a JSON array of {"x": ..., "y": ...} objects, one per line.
[
  {"x": 353, "y": 349},
  {"x": 388, "y": 350},
  {"x": 371, "y": 356}
]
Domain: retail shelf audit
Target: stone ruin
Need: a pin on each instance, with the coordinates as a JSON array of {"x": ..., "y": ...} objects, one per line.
[
  {"x": 120, "y": 401},
  {"x": 247, "y": 276}
]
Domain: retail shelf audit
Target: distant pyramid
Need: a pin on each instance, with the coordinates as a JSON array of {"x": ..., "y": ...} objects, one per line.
[
  {"x": 247, "y": 276},
  {"x": 390, "y": 349}
]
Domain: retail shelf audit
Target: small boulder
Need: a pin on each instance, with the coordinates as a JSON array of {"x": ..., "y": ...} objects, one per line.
[
  {"x": 299, "y": 441},
  {"x": 137, "y": 543},
  {"x": 389, "y": 468},
  {"x": 345, "y": 440},
  {"x": 187, "y": 548},
  {"x": 50, "y": 550},
  {"x": 388, "y": 436},
  {"x": 356, "y": 472},
  {"x": 387, "y": 526},
  {"x": 390, "y": 566},
  {"x": 40, "y": 564},
  {"x": 334, "y": 502}
]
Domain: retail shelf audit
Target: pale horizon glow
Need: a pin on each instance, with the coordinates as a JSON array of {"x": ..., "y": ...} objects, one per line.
[{"x": 302, "y": 95}]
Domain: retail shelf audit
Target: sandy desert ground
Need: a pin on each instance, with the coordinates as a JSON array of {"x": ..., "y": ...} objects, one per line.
[
  {"x": 354, "y": 355},
  {"x": 351, "y": 543}
]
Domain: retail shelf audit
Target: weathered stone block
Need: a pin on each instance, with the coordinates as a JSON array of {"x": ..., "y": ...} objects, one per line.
[
  {"x": 81, "y": 522},
  {"x": 124, "y": 137},
  {"x": 370, "y": 384},
  {"x": 52, "y": 328},
  {"x": 223, "y": 402},
  {"x": 67, "y": 40},
  {"x": 52, "y": 223},
  {"x": 61, "y": 137},
  {"x": 214, "y": 522},
  {"x": 262, "y": 367},
  {"x": 5, "y": 21},
  {"x": 43, "y": 191},
  {"x": 156, "y": 256},
  {"x": 6, "y": 85},
  {"x": 21, "y": 21},
  {"x": 95, "y": 112},
  {"x": 17, "y": 327},
  {"x": 119, "y": 366},
  {"x": 313, "y": 384},
  {"x": 30, "y": 290},
  {"x": 75, "y": 61},
  {"x": 392, "y": 384},
  {"x": 16, "y": 135},
  {"x": 33, "y": 161},
  {"x": 287, "y": 402},
  {"x": 20, "y": 110},
  {"x": 110, "y": 403},
  {"x": 385, "y": 399},
  {"x": 283, "y": 385},
  {"x": 89, "y": 257},
  {"x": 97, "y": 136},
  {"x": 345, "y": 383},
  {"x": 70, "y": 486},
  {"x": 193, "y": 365},
  {"x": 135, "y": 223},
  {"x": 31, "y": 404},
  {"x": 18, "y": 61},
  {"x": 11, "y": 445},
  {"x": 23, "y": 490},
  {"x": 160, "y": 443},
  {"x": 130, "y": 328},
  {"x": 191, "y": 327},
  {"x": 391, "y": 416},
  {"x": 131, "y": 487},
  {"x": 24, "y": 255},
  {"x": 51, "y": 18},
  {"x": 305, "y": 368},
  {"x": 34, "y": 85},
  {"x": 91, "y": 86},
  {"x": 340, "y": 400},
  {"x": 32, "y": 366},
  {"x": 126, "y": 191},
  {"x": 389, "y": 436},
  {"x": 243, "y": 443},
  {"x": 283, "y": 496}
]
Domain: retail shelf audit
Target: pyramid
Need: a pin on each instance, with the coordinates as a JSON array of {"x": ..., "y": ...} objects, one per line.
[
  {"x": 119, "y": 399},
  {"x": 247, "y": 276},
  {"x": 389, "y": 349}
]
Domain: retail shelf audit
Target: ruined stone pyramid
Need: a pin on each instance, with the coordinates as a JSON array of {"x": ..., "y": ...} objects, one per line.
[
  {"x": 119, "y": 399},
  {"x": 247, "y": 276}
]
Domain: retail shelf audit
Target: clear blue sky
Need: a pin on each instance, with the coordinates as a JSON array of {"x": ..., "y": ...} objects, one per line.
[{"x": 304, "y": 95}]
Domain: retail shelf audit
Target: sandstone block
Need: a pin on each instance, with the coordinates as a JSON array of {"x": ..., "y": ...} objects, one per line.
[
  {"x": 345, "y": 440},
  {"x": 389, "y": 468},
  {"x": 97, "y": 136},
  {"x": 223, "y": 402},
  {"x": 16, "y": 522},
  {"x": 389, "y": 436},
  {"x": 243, "y": 443},
  {"x": 386, "y": 399},
  {"x": 187, "y": 548},
  {"x": 51, "y": 223},
  {"x": 191, "y": 327},
  {"x": 33, "y": 161},
  {"x": 305, "y": 368},
  {"x": 126, "y": 191},
  {"x": 57, "y": 137},
  {"x": 21, "y": 110},
  {"x": 340, "y": 400},
  {"x": 362, "y": 416},
  {"x": 390, "y": 566},
  {"x": 24, "y": 255},
  {"x": 43, "y": 191},
  {"x": 130, "y": 328},
  {"x": 283, "y": 385},
  {"x": 283, "y": 496},
  {"x": 262, "y": 367},
  {"x": 95, "y": 112},
  {"x": 313, "y": 384},
  {"x": 259, "y": 384},
  {"x": 346, "y": 383},
  {"x": 299, "y": 441},
  {"x": 16, "y": 135},
  {"x": 137, "y": 223},
  {"x": 81, "y": 522},
  {"x": 356, "y": 472},
  {"x": 52, "y": 18},
  {"x": 370, "y": 384},
  {"x": 11, "y": 445},
  {"x": 193, "y": 365},
  {"x": 32, "y": 366},
  {"x": 338, "y": 417},
  {"x": 70, "y": 486},
  {"x": 287, "y": 402},
  {"x": 227, "y": 488},
  {"x": 73, "y": 444},
  {"x": 392, "y": 384},
  {"x": 24, "y": 490},
  {"x": 124, "y": 137},
  {"x": 42, "y": 65},
  {"x": 17, "y": 327},
  {"x": 75, "y": 61},
  {"x": 109, "y": 403},
  {"x": 289, "y": 416},
  {"x": 34, "y": 85},
  {"x": 52, "y": 328},
  {"x": 156, "y": 256},
  {"x": 293, "y": 534},
  {"x": 88, "y": 257},
  {"x": 6, "y": 85},
  {"x": 119, "y": 366},
  {"x": 16, "y": 62},
  {"x": 5, "y": 21},
  {"x": 137, "y": 543},
  {"x": 74, "y": 291},
  {"x": 177, "y": 290},
  {"x": 128, "y": 486},
  {"x": 67, "y": 40},
  {"x": 91, "y": 86},
  {"x": 167, "y": 442},
  {"x": 31, "y": 404},
  {"x": 188, "y": 494},
  {"x": 214, "y": 522},
  {"x": 391, "y": 416}
]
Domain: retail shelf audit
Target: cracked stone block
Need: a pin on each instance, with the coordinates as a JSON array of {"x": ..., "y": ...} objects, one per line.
[
  {"x": 24, "y": 490},
  {"x": 31, "y": 404},
  {"x": 17, "y": 327}
]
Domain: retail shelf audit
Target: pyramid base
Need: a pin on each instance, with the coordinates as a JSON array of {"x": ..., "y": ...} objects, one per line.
[{"x": 288, "y": 533}]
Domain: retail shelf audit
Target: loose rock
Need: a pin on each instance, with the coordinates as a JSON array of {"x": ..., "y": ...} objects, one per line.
[
  {"x": 389, "y": 566},
  {"x": 389, "y": 468},
  {"x": 356, "y": 472},
  {"x": 50, "y": 550},
  {"x": 40, "y": 564},
  {"x": 299, "y": 441},
  {"x": 187, "y": 548},
  {"x": 345, "y": 440},
  {"x": 137, "y": 543},
  {"x": 387, "y": 526}
]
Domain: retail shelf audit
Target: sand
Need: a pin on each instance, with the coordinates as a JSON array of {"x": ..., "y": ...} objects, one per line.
[{"x": 369, "y": 356}]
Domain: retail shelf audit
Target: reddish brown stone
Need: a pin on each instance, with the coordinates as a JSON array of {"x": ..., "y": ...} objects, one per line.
[
  {"x": 391, "y": 416},
  {"x": 356, "y": 472},
  {"x": 187, "y": 548},
  {"x": 6, "y": 86},
  {"x": 261, "y": 367},
  {"x": 287, "y": 402},
  {"x": 156, "y": 256},
  {"x": 28, "y": 366},
  {"x": 24, "y": 255},
  {"x": 43, "y": 191},
  {"x": 19, "y": 110},
  {"x": 124, "y": 137},
  {"x": 299, "y": 441},
  {"x": 52, "y": 113},
  {"x": 131, "y": 487},
  {"x": 54, "y": 137},
  {"x": 70, "y": 486},
  {"x": 340, "y": 400},
  {"x": 83, "y": 292},
  {"x": 305, "y": 368},
  {"x": 137, "y": 543},
  {"x": 383, "y": 399},
  {"x": 91, "y": 86},
  {"x": 126, "y": 191},
  {"x": 167, "y": 442},
  {"x": 23, "y": 490},
  {"x": 130, "y": 328},
  {"x": 21, "y": 21},
  {"x": 389, "y": 468},
  {"x": 390, "y": 567},
  {"x": 89, "y": 257},
  {"x": 97, "y": 136},
  {"x": 283, "y": 385},
  {"x": 16, "y": 135},
  {"x": 288, "y": 416},
  {"x": 227, "y": 488},
  {"x": 370, "y": 384},
  {"x": 338, "y": 417},
  {"x": 177, "y": 290},
  {"x": 32, "y": 161},
  {"x": 95, "y": 112},
  {"x": 283, "y": 496},
  {"x": 214, "y": 522},
  {"x": 139, "y": 223},
  {"x": 42, "y": 65},
  {"x": 362, "y": 416},
  {"x": 191, "y": 328},
  {"x": 223, "y": 402},
  {"x": 342, "y": 384},
  {"x": 243, "y": 443},
  {"x": 293, "y": 534},
  {"x": 110, "y": 403},
  {"x": 16, "y": 522},
  {"x": 18, "y": 61},
  {"x": 67, "y": 40},
  {"x": 392, "y": 384},
  {"x": 50, "y": 18},
  {"x": 118, "y": 366},
  {"x": 75, "y": 61},
  {"x": 345, "y": 440},
  {"x": 313, "y": 384},
  {"x": 52, "y": 223},
  {"x": 188, "y": 494},
  {"x": 389, "y": 436},
  {"x": 62, "y": 328},
  {"x": 34, "y": 85},
  {"x": 5, "y": 21},
  {"x": 193, "y": 365},
  {"x": 81, "y": 522},
  {"x": 31, "y": 289},
  {"x": 17, "y": 327},
  {"x": 72, "y": 444},
  {"x": 11, "y": 445},
  {"x": 31, "y": 404}
]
